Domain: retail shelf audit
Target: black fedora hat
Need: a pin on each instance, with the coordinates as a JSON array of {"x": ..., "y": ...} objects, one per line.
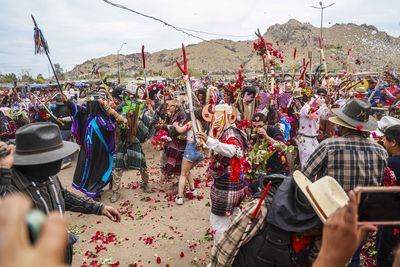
[
  {"x": 355, "y": 114},
  {"x": 39, "y": 143}
]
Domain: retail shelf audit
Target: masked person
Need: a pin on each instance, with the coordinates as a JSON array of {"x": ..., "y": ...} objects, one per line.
[
  {"x": 229, "y": 145},
  {"x": 37, "y": 160},
  {"x": 129, "y": 153},
  {"x": 93, "y": 127},
  {"x": 309, "y": 123}
]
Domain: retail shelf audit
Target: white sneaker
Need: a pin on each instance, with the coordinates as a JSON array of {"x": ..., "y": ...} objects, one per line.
[
  {"x": 193, "y": 192},
  {"x": 179, "y": 200}
]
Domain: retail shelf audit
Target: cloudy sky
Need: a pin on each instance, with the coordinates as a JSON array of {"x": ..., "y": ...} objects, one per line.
[{"x": 78, "y": 30}]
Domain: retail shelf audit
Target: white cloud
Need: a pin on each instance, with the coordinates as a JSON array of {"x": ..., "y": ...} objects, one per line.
[{"x": 78, "y": 30}]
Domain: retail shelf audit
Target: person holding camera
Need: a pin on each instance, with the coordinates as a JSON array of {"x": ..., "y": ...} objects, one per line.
[
  {"x": 6, "y": 162},
  {"x": 32, "y": 169},
  {"x": 352, "y": 159}
]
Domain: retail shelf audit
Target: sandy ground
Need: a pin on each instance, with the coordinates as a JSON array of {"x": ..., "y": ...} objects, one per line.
[{"x": 153, "y": 227}]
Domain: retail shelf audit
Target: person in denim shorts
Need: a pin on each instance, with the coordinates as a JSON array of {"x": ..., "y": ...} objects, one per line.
[{"x": 191, "y": 156}]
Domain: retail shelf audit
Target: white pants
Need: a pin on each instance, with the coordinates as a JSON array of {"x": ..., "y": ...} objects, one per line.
[
  {"x": 220, "y": 223},
  {"x": 306, "y": 147}
]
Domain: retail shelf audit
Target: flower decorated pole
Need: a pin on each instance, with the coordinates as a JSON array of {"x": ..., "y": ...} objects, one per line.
[
  {"x": 186, "y": 77},
  {"x": 41, "y": 47},
  {"x": 239, "y": 83},
  {"x": 304, "y": 71},
  {"x": 264, "y": 49}
]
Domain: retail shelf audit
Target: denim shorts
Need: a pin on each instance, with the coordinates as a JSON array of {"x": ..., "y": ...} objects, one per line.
[{"x": 191, "y": 154}]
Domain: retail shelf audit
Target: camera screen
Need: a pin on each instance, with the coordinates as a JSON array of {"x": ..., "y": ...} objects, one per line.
[{"x": 379, "y": 207}]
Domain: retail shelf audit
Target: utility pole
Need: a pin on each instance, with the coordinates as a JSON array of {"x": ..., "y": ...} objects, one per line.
[
  {"x": 119, "y": 74},
  {"x": 321, "y": 7}
]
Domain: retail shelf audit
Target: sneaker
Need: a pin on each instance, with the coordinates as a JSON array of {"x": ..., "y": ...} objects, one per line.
[
  {"x": 146, "y": 188},
  {"x": 194, "y": 192},
  {"x": 65, "y": 165},
  {"x": 115, "y": 197},
  {"x": 179, "y": 200}
]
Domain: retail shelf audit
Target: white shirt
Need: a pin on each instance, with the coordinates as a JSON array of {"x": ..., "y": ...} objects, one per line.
[
  {"x": 225, "y": 150},
  {"x": 308, "y": 126}
]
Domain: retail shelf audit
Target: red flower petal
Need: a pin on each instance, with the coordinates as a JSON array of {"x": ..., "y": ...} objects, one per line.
[
  {"x": 182, "y": 254},
  {"x": 359, "y": 127}
]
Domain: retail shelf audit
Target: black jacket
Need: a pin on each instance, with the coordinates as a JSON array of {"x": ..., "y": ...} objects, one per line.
[{"x": 50, "y": 195}]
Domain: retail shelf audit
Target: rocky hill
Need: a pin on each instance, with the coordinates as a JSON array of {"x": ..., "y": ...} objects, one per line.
[{"x": 371, "y": 51}]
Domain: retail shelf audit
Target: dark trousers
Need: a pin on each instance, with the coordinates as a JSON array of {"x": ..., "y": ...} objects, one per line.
[{"x": 386, "y": 242}]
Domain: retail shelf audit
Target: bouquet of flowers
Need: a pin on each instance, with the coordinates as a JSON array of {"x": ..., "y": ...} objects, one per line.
[
  {"x": 260, "y": 154},
  {"x": 159, "y": 139},
  {"x": 261, "y": 47}
]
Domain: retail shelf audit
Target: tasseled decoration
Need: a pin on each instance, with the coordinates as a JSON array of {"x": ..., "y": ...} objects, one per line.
[
  {"x": 235, "y": 162},
  {"x": 40, "y": 42}
]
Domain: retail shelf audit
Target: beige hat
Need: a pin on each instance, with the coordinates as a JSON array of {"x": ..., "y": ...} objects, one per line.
[
  {"x": 325, "y": 195},
  {"x": 386, "y": 122}
]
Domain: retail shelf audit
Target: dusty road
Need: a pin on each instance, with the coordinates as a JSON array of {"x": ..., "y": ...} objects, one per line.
[{"x": 154, "y": 231}]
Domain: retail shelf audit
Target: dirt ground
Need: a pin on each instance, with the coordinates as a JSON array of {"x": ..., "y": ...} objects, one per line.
[{"x": 154, "y": 231}]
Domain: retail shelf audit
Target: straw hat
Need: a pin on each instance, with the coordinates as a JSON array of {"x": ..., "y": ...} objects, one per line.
[
  {"x": 325, "y": 195},
  {"x": 386, "y": 122}
]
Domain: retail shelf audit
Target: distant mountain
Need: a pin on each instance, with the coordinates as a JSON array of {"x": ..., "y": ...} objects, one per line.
[{"x": 371, "y": 51}]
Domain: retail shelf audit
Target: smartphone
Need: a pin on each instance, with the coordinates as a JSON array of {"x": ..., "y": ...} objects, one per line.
[
  {"x": 35, "y": 220},
  {"x": 378, "y": 205}
]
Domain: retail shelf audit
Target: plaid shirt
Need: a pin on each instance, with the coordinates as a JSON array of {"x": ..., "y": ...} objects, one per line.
[
  {"x": 240, "y": 231},
  {"x": 352, "y": 160}
]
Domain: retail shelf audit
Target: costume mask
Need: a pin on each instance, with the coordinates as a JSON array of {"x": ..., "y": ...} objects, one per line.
[
  {"x": 248, "y": 97},
  {"x": 171, "y": 109},
  {"x": 41, "y": 172},
  {"x": 221, "y": 119}
]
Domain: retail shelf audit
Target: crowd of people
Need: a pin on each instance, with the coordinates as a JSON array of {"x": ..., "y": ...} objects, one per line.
[{"x": 256, "y": 138}]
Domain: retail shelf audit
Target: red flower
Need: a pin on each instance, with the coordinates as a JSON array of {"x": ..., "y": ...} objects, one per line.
[
  {"x": 158, "y": 260},
  {"x": 359, "y": 127},
  {"x": 182, "y": 254}
]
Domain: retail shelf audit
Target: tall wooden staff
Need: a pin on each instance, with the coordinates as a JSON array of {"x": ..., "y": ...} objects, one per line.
[
  {"x": 258, "y": 34},
  {"x": 348, "y": 61},
  {"x": 144, "y": 72},
  {"x": 186, "y": 78},
  {"x": 323, "y": 58},
  {"x": 272, "y": 73},
  {"x": 294, "y": 62},
  {"x": 41, "y": 47},
  {"x": 310, "y": 70},
  {"x": 47, "y": 110}
]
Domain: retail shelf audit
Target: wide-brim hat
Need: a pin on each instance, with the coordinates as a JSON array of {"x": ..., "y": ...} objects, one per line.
[
  {"x": 39, "y": 143},
  {"x": 386, "y": 122},
  {"x": 355, "y": 114},
  {"x": 325, "y": 195}
]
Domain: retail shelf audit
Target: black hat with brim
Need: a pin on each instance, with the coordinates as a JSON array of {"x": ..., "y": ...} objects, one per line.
[{"x": 39, "y": 143}]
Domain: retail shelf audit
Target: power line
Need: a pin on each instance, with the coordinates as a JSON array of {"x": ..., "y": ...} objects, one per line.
[
  {"x": 179, "y": 29},
  {"x": 218, "y": 34}
]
